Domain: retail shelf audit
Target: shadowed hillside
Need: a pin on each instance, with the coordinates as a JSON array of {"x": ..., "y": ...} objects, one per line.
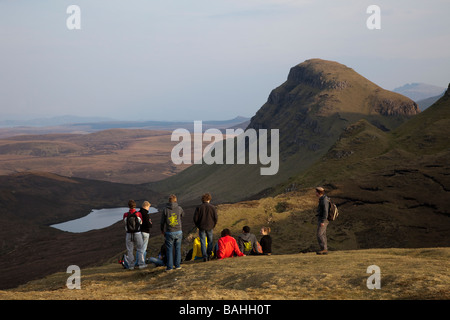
[
  {"x": 30, "y": 202},
  {"x": 392, "y": 187},
  {"x": 311, "y": 109}
]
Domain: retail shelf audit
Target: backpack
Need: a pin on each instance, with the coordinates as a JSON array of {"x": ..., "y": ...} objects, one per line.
[
  {"x": 133, "y": 224},
  {"x": 333, "y": 211},
  {"x": 259, "y": 248}
]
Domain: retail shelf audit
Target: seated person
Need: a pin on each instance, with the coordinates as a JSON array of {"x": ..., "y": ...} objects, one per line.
[
  {"x": 247, "y": 242},
  {"x": 227, "y": 246},
  {"x": 266, "y": 241},
  {"x": 197, "y": 249},
  {"x": 162, "y": 258}
]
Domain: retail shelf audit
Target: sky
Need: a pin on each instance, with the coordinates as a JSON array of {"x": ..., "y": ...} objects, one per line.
[{"x": 186, "y": 60}]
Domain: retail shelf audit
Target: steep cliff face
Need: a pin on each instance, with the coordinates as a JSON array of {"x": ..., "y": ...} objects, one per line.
[{"x": 397, "y": 107}]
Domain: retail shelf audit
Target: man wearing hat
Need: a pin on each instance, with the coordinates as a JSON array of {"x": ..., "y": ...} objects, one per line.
[{"x": 322, "y": 220}]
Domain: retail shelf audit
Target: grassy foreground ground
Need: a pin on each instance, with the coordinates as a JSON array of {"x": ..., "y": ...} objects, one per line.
[{"x": 404, "y": 273}]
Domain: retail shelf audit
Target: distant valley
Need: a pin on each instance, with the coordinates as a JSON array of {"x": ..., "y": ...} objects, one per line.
[
  {"x": 116, "y": 155},
  {"x": 132, "y": 155}
]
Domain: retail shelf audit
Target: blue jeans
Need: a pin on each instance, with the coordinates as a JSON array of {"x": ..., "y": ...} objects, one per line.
[
  {"x": 173, "y": 242},
  {"x": 157, "y": 262},
  {"x": 208, "y": 234}
]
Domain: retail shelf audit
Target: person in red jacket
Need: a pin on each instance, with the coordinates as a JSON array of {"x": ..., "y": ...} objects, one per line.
[{"x": 227, "y": 246}]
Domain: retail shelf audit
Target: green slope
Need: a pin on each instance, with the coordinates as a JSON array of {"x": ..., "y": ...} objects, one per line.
[
  {"x": 310, "y": 109},
  {"x": 428, "y": 132},
  {"x": 392, "y": 188},
  {"x": 363, "y": 148}
]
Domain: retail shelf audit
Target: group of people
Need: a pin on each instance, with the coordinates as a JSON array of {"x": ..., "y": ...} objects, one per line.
[
  {"x": 138, "y": 224},
  {"x": 137, "y": 227},
  {"x": 246, "y": 244}
]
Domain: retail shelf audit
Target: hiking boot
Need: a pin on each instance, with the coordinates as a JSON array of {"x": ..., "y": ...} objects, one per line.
[
  {"x": 143, "y": 266},
  {"x": 322, "y": 252},
  {"x": 178, "y": 268}
]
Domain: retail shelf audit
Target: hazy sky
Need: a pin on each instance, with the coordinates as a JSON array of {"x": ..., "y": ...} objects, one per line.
[{"x": 203, "y": 59}]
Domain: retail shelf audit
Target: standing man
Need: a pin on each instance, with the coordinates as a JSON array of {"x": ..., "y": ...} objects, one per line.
[
  {"x": 205, "y": 219},
  {"x": 133, "y": 221},
  {"x": 322, "y": 220},
  {"x": 171, "y": 229},
  {"x": 145, "y": 227}
]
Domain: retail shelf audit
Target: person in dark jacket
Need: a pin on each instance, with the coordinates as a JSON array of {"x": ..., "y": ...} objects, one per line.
[
  {"x": 322, "y": 220},
  {"x": 205, "y": 219},
  {"x": 247, "y": 242},
  {"x": 145, "y": 227},
  {"x": 171, "y": 229},
  {"x": 266, "y": 241}
]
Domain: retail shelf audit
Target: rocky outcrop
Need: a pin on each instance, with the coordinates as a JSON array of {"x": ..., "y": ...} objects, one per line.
[
  {"x": 304, "y": 74},
  {"x": 389, "y": 107}
]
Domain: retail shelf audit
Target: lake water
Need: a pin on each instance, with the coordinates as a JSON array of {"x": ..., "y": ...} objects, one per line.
[{"x": 97, "y": 219}]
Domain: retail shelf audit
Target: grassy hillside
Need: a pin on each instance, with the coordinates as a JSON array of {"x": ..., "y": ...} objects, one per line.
[
  {"x": 364, "y": 152},
  {"x": 293, "y": 272},
  {"x": 405, "y": 274},
  {"x": 428, "y": 132},
  {"x": 391, "y": 186}
]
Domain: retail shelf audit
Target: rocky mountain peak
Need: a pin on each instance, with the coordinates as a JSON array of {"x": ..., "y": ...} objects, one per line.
[{"x": 318, "y": 74}]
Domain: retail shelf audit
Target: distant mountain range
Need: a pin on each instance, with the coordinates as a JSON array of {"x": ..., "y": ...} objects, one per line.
[
  {"x": 101, "y": 123},
  {"x": 163, "y": 125},
  {"x": 72, "y": 124},
  {"x": 424, "y": 94},
  {"x": 52, "y": 121}
]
